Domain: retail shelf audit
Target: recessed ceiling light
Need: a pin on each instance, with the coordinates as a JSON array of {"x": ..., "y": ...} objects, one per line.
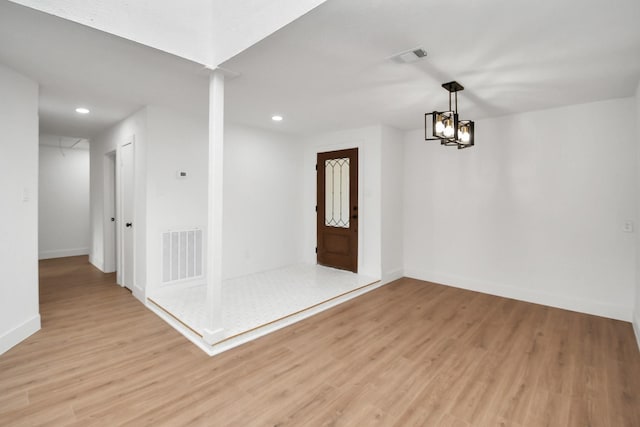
[
  {"x": 276, "y": 118},
  {"x": 82, "y": 110}
]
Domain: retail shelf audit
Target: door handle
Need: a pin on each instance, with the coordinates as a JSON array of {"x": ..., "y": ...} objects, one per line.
[{"x": 128, "y": 224}]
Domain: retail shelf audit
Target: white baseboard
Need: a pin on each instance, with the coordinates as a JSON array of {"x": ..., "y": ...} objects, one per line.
[
  {"x": 61, "y": 253},
  {"x": 19, "y": 334},
  {"x": 253, "y": 334},
  {"x": 139, "y": 293},
  {"x": 186, "y": 332},
  {"x": 290, "y": 320},
  {"x": 578, "y": 304},
  {"x": 636, "y": 326}
]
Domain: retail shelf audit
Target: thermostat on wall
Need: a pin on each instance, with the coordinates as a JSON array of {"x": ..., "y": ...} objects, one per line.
[{"x": 181, "y": 175}]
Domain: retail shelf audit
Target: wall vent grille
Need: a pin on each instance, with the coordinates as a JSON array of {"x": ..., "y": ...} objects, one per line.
[{"x": 182, "y": 255}]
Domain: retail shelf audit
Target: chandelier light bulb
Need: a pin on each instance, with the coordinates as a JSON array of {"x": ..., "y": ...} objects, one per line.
[
  {"x": 439, "y": 127},
  {"x": 448, "y": 128},
  {"x": 464, "y": 136}
]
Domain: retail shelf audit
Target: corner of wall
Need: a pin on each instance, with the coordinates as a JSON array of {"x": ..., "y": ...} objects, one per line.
[
  {"x": 97, "y": 263},
  {"x": 140, "y": 294},
  {"x": 558, "y": 300},
  {"x": 19, "y": 309},
  {"x": 61, "y": 253},
  {"x": 390, "y": 276},
  {"x": 392, "y": 203},
  {"x": 20, "y": 333},
  {"x": 636, "y": 325}
]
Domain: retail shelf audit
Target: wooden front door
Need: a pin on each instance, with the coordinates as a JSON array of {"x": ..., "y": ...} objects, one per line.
[{"x": 337, "y": 209}]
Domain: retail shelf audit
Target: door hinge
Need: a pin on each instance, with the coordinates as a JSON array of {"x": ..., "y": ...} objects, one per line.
[
  {"x": 316, "y": 249},
  {"x": 316, "y": 166},
  {"x": 316, "y": 208}
]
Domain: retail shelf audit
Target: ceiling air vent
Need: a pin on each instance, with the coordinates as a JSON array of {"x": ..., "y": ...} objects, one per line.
[{"x": 411, "y": 55}]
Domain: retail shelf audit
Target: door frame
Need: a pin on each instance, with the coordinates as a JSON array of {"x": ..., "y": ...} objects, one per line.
[
  {"x": 354, "y": 181},
  {"x": 368, "y": 261},
  {"x": 120, "y": 223},
  {"x": 110, "y": 172}
]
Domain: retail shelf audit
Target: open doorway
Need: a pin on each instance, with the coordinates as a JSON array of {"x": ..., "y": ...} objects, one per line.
[{"x": 63, "y": 197}]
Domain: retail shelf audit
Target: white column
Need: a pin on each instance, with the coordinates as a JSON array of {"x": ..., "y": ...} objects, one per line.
[{"x": 213, "y": 330}]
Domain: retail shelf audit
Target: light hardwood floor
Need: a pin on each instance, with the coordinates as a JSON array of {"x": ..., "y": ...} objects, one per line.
[{"x": 410, "y": 353}]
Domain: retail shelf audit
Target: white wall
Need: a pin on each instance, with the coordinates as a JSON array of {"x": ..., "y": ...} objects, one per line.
[
  {"x": 175, "y": 143},
  {"x": 166, "y": 142},
  {"x": 63, "y": 204},
  {"x": 262, "y": 200},
  {"x": 392, "y": 199},
  {"x": 368, "y": 142},
  {"x": 133, "y": 127},
  {"x": 636, "y": 318},
  {"x": 535, "y": 211},
  {"x": 19, "y": 311},
  {"x": 263, "y": 192}
]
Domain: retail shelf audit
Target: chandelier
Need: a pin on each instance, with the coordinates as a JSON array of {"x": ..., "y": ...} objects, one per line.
[{"x": 446, "y": 127}]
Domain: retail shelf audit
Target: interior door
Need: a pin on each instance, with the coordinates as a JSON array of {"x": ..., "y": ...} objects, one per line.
[
  {"x": 126, "y": 218},
  {"x": 337, "y": 209}
]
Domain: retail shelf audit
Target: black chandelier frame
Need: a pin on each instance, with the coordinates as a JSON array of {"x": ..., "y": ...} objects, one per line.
[{"x": 452, "y": 119}]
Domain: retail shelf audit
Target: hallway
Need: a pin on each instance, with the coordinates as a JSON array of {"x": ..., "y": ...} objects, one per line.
[{"x": 410, "y": 352}]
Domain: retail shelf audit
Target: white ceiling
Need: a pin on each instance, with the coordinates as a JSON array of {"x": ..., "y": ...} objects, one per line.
[
  {"x": 79, "y": 66},
  {"x": 63, "y": 143},
  {"x": 330, "y": 69},
  {"x": 182, "y": 28}
]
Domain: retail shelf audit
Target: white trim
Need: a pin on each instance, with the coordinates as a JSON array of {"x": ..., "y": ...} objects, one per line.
[
  {"x": 120, "y": 221},
  {"x": 109, "y": 243},
  {"x": 139, "y": 293},
  {"x": 186, "y": 332},
  {"x": 578, "y": 304},
  {"x": 230, "y": 343},
  {"x": 267, "y": 329},
  {"x": 211, "y": 337},
  {"x": 61, "y": 253},
  {"x": 636, "y": 326},
  {"x": 20, "y": 333},
  {"x": 118, "y": 196},
  {"x": 213, "y": 268}
]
